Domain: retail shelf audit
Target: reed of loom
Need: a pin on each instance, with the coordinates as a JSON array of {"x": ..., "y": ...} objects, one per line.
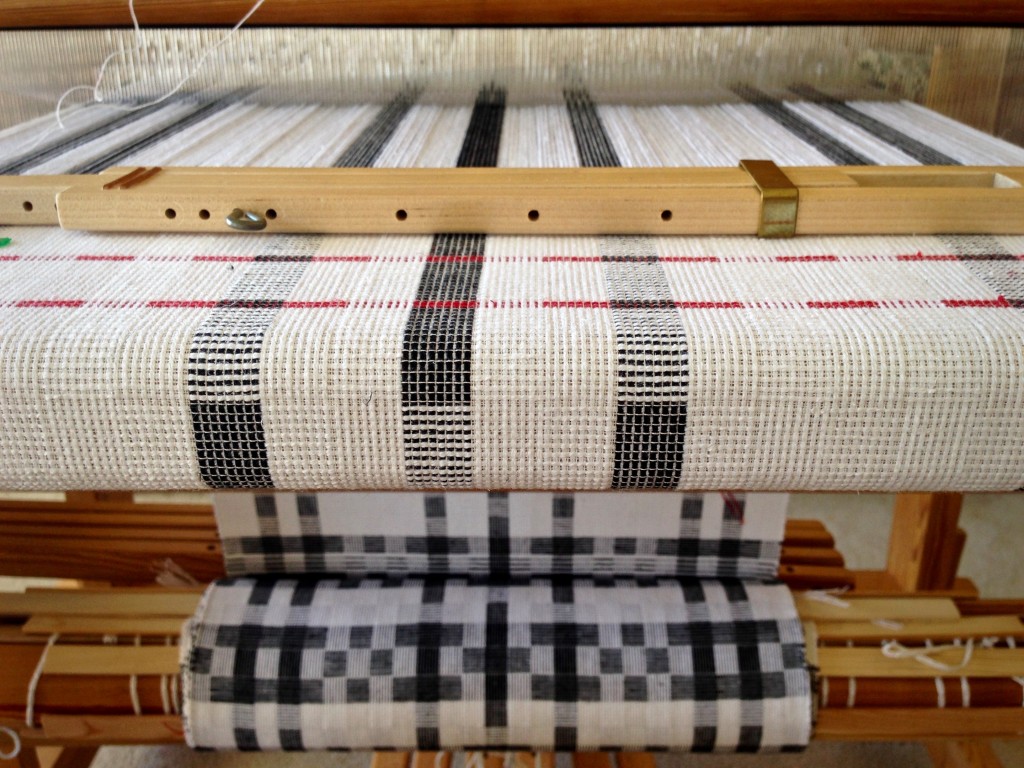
[{"x": 924, "y": 548}]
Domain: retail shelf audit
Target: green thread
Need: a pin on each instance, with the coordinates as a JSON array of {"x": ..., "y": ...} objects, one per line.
[{"x": 4, "y": 241}]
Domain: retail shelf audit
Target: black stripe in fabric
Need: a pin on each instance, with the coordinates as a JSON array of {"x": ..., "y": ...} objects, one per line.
[
  {"x": 497, "y": 640},
  {"x": 906, "y": 144},
  {"x": 428, "y": 665},
  {"x": 566, "y": 667},
  {"x": 313, "y": 543},
  {"x": 225, "y": 359},
  {"x": 989, "y": 260},
  {"x": 436, "y": 409},
  {"x": 807, "y": 132},
  {"x": 156, "y": 135},
  {"x": 653, "y": 361},
  {"x": 595, "y": 148},
  {"x": 563, "y": 508},
  {"x": 436, "y": 515},
  {"x": 364, "y": 152},
  {"x": 70, "y": 141}
]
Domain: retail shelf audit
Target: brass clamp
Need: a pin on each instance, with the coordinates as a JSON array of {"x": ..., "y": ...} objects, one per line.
[{"x": 780, "y": 198}]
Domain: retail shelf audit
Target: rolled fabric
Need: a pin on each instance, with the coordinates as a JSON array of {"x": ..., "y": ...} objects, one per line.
[
  {"x": 567, "y": 664},
  {"x": 503, "y": 534}
]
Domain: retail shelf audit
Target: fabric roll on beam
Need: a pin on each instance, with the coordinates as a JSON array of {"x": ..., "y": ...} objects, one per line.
[
  {"x": 653, "y": 534},
  {"x": 574, "y": 664}
]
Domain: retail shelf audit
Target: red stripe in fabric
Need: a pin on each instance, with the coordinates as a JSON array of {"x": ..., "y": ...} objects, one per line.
[
  {"x": 689, "y": 259},
  {"x": 826, "y": 257},
  {"x": 996, "y": 303},
  {"x": 90, "y": 257},
  {"x": 346, "y": 258},
  {"x": 182, "y": 304},
  {"x": 847, "y": 304},
  {"x": 570, "y": 259},
  {"x": 575, "y": 304},
  {"x": 330, "y": 304},
  {"x": 9, "y": 258},
  {"x": 443, "y": 304},
  {"x": 50, "y": 303},
  {"x": 926, "y": 257},
  {"x": 223, "y": 258},
  {"x": 710, "y": 304},
  {"x": 471, "y": 259}
]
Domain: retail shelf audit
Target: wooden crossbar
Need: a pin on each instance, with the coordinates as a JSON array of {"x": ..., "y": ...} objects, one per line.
[{"x": 652, "y": 201}]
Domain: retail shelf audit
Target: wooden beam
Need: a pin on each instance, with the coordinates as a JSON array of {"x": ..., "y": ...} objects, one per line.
[
  {"x": 104, "y": 13},
  {"x": 919, "y": 724},
  {"x": 963, "y": 754},
  {"x": 923, "y": 545}
]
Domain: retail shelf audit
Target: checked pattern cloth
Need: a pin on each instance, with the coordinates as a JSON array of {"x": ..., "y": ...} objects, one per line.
[
  {"x": 532, "y": 664},
  {"x": 471, "y": 534}
]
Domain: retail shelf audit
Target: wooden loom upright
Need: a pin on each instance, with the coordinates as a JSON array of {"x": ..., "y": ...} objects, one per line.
[{"x": 110, "y": 538}]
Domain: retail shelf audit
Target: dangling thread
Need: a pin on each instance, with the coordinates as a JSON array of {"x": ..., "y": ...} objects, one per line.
[
  {"x": 33, "y": 683},
  {"x": 16, "y": 741},
  {"x": 133, "y": 684},
  {"x": 828, "y": 596},
  {"x": 189, "y": 72},
  {"x": 893, "y": 649}
]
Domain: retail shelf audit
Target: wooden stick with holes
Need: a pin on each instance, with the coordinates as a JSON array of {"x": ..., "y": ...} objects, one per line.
[{"x": 757, "y": 198}]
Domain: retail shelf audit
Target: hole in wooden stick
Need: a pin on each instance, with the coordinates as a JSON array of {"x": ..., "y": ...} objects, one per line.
[
  {"x": 666, "y": 215},
  {"x": 170, "y": 213},
  {"x": 401, "y": 214},
  {"x": 271, "y": 213},
  {"x": 27, "y": 205},
  {"x": 533, "y": 215},
  {"x": 204, "y": 214}
]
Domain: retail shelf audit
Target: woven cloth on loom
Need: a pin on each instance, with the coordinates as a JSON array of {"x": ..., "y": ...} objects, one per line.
[
  {"x": 517, "y": 534},
  {"x": 464, "y": 361},
  {"x": 279, "y": 663}
]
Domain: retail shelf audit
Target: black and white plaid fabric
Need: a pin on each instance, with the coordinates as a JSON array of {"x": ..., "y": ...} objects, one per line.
[
  {"x": 278, "y": 663},
  {"x": 518, "y": 534}
]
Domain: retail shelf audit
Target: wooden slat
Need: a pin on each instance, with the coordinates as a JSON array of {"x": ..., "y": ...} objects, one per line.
[
  {"x": 112, "y": 660},
  {"x": 918, "y": 631},
  {"x": 101, "y": 13},
  {"x": 75, "y": 757},
  {"x": 146, "y": 626},
  {"x": 869, "y": 608},
  {"x": 635, "y": 760},
  {"x": 811, "y": 556},
  {"x": 118, "y": 603},
  {"x": 923, "y": 540},
  {"x": 113, "y": 729},
  {"x": 591, "y": 760},
  {"x": 963, "y": 754},
  {"x": 390, "y": 760},
  {"x": 988, "y": 607},
  {"x": 869, "y": 662},
  {"x": 909, "y": 724},
  {"x": 833, "y": 200},
  {"x": 431, "y": 760},
  {"x": 882, "y": 584},
  {"x": 139, "y": 519},
  {"x": 798, "y": 576}
]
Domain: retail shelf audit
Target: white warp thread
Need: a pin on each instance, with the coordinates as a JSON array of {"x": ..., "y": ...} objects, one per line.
[
  {"x": 828, "y": 596},
  {"x": 893, "y": 649},
  {"x": 190, "y": 72},
  {"x": 15, "y": 739},
  {"x": 33, "y": 683}
]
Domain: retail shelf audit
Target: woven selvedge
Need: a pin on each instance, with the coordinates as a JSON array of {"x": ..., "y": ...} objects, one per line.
[
  {"x": 502, "y": 534},
  {"x": 456, "y": 664}
]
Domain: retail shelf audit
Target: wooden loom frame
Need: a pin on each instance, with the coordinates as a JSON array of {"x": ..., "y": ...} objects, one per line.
[{"x": 925, "y": 543}]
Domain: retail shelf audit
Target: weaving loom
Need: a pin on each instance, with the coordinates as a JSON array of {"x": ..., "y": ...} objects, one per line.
[{"x": 505, "y": 362}]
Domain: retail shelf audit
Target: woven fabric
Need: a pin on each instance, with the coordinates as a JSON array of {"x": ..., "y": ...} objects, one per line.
[
  {"x": 502, "y": 534},
  {"x": 560, "y": 363},
  {"x": 454, "y": 664}
]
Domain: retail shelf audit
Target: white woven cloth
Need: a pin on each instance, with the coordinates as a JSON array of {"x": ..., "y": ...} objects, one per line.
[{"x": 573, "y": 363}]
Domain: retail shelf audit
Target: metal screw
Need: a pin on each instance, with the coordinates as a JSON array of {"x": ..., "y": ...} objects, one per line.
[{"x": 245, "y": 221}]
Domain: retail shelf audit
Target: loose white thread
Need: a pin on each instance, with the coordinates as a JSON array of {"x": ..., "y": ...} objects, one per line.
[
  {"x": 893, "y": 649},
  {"x": 33, "y": 684},
  {"x": 190, "y": 72},
  {"x": 438, "y": 758},
  {"x": 133, "y": 684},
  {"x": 851, "y": 693},
  {"x": 1012, "y": 643},
  {"x": 15, "y": 740},
  {"x": 828, "y": 596}
]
